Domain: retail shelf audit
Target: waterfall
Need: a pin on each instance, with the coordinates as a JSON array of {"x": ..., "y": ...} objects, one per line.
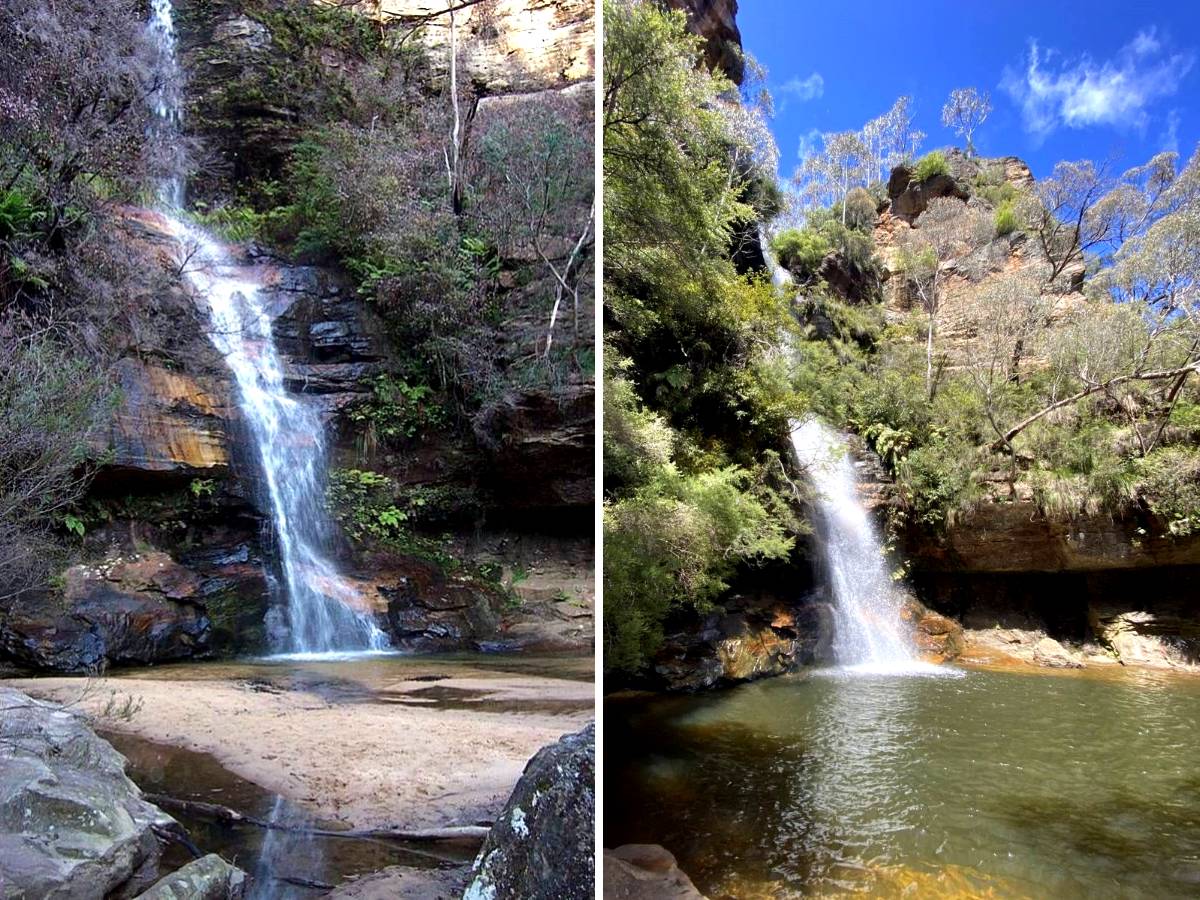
[
  {"x": 869, "y": 632},
  {"x": 287, "y": 432}
]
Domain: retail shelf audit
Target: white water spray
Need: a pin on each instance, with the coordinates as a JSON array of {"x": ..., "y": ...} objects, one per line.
[
  {"x": 869, "y": 632},
  {"x": 321, "y": 607}
]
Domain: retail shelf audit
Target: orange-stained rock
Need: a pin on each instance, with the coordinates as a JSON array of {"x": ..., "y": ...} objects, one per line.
[{"x": 166, "y": 422}]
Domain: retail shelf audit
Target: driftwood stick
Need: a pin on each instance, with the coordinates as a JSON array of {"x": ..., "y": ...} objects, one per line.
[{"x": 462, "y": 834}]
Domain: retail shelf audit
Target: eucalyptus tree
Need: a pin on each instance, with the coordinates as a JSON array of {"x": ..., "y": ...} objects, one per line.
[
  {"x": 1141, "y": 233},
  {"x": 965, "y": 111},
  {"x": 946, "y": 233}
]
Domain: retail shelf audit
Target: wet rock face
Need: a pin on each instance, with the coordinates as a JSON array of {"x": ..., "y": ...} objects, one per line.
[
  {"x": 428, "y": 610},
  {"x": 139, "y": 610},
  {"x": 937, "y": 637},
  {"x": 72, "y": 826},
  {"x": 645, "y": 872},
  {"x": 168, "y": 422},
  {"x": 543, "y": 843}
]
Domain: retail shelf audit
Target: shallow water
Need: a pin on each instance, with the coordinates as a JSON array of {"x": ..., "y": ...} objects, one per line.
[
  {"x": 297, "y": 866},
  {"x": 994, "y": 784}
]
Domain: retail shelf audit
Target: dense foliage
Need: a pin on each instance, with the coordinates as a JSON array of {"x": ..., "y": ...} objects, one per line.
[
  {"x": 74, "y": 138},
  {"x": 1074, "y": 379},
  {"x": 695, "y": 390}
]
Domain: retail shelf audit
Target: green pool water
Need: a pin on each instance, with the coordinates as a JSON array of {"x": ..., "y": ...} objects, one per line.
[{"x": 990, "y": 784}]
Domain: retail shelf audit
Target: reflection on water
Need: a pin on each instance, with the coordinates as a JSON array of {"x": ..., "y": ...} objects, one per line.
[
  {"x": 993, "y": 784},
  {"x": 287, "y": 865}
]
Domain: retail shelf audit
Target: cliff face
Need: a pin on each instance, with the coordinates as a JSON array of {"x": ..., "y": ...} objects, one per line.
[
  {"x": 507, "y": 46},
  {"x": 716, "y": 22},
  {"x": 176, "y": 491}
]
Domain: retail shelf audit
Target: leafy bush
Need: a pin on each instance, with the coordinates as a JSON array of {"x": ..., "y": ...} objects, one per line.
[
  {"x": 800, "y": 250},
  {"x": 396, "y": 411},
  {"x": 860, "y": 210},
  {"x": 1170, "y": 483},
  {"x": 1006, "y": 219},
  {"x": 929, "y": 165},
  {"x": 674, "y": 543},
  {"x": 938, "y": 482},
  {"x": 365, "y": 504}
]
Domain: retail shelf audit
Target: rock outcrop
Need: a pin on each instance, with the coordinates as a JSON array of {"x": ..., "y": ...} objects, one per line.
[
  {"x": 749, "y": 637},
  {"x": 909, "y": 198},
  {"x": 543, "y": 844},
  {"x": 507, "y": 46},
  {"x": 645, "y": 872},
  {"x": 72, "y": 825},
  {"x": 716, "y": 22},
  {"x": 168, "y": 421},
  {"x": 140, "y": 609}
]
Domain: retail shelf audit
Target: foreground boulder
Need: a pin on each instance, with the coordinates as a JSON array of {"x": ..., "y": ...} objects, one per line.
[
  {"x": 207, "y": 878},
  {"x": 72, "y": 825},
  {"x": 645, "y": 872},
  {"x": 543, "y": 843}
]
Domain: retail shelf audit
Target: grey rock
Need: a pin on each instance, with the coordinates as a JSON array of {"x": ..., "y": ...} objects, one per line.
[
  {"x": 72, "y": 825},
  {"x": 543, "y": 843},
  {"x": 207, "y": 878},
  {"x": 645, "y": 872}
]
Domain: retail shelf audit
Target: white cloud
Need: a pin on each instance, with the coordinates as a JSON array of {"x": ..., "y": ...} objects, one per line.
[
  {"x": 803, "y": 89},
  {"x": 1170, "y": 138},
  {"x": 810, "y": 143},
  {"x": 1081, "y": 93}
]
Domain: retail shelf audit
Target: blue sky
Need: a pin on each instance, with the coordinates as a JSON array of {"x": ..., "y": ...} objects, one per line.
[{"x": 1068, "y": 80}]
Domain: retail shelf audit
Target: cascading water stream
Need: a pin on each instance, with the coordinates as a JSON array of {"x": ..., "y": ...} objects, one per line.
[
  {"x": 869, "y": 632},
  {"x": 287, "y": 432}
]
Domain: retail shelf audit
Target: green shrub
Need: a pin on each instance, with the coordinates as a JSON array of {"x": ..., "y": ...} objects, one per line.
[
  {"x": 932, "y": 163},
  {"x": 20, "y": 214},
  {"x": 674, "y": 543},
  {"x": 365, "y": 504},
  {"x": 997, "y": 194},
  {"x": 1005, "y": 219},
  {"x": 396, "y": 411},
  {"x": 800, "y": 250},
  {"x": 860, "y": 210},
  {"x": 1170, "y": 484},
  {"x": 938, "y": 482}
]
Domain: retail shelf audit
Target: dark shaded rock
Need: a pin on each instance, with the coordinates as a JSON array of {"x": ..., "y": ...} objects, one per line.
[
  {"x": 716, "y": 22},
  {"x": 847, "y": 280},
  {"x": 207, "y": 878},
  {"x": 543, "y": 844},
  {"x": 141, "y": 610},
  {"x": 751, "y": 637},
  {"x": 541, "y": 447},
  {"x": 429, "y": 610},
  {"x": 910, "y": 198},
  {"x": 330, "y": 378},
  {"x": 645, "y": 872},
  {"x": 72, "y": 825}
]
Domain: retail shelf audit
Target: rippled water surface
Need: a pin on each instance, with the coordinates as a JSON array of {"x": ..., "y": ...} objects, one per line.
[{"x": 994, "y": 784}]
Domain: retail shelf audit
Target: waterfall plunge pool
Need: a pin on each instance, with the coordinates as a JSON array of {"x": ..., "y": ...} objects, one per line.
[{"x": 993, "y": 784}]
